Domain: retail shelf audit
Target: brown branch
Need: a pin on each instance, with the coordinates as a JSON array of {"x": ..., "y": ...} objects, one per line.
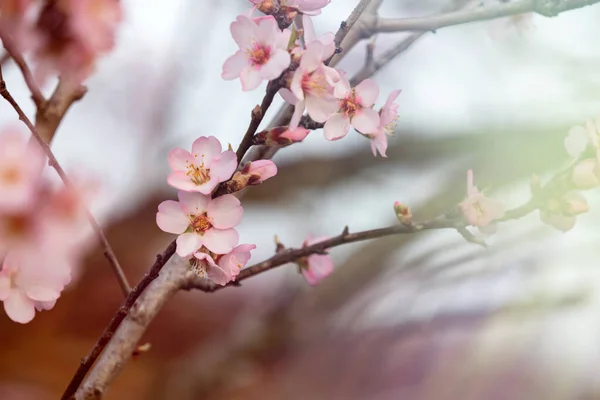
[
  {"x": 548, "y": 8},
  {"x": 116, "y": 320},
  {"x": 108, "y": 252}
]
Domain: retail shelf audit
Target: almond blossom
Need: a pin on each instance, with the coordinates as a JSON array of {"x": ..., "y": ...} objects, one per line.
[
  {"x": 221, "y": 269},
  {"x": 21, "y": 166},
  {"x": 388, "y": 117},
  {"x": 26, "y": 284},
  {"x": 201, "y": 221},
  {"x": 202, "y": 169},
  {"x": 72, "y": 34},
  {"x": 263, "y": 52},
  {"x": 479, "y": 210},
  {"x": 311, "y": 87},
  {"x": 354, "y": 108},
  {"x": 315, "y": 267}
]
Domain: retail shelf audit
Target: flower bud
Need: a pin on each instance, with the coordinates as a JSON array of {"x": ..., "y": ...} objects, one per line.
[
  {"x": 574, "y": 204},
  {"x": 282, "y": 136},
  {"x": 259, "y": 171},
  {"x": 403, "y": 213}
]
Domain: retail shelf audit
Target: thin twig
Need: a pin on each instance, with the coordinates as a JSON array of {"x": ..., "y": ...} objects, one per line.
[
  {"x": 482, "y": 13},
  {"x": 53, "y": 162},
  {"x": 13, "y": 52},
  {"x": 114, "y": 323}
]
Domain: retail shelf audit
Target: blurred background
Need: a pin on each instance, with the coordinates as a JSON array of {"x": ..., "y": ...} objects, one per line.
[{"x": 426, "y": 316}]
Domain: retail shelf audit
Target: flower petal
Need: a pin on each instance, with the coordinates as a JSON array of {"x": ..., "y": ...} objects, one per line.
[
  {"x": 188, "y": 243},
  {"x": 367, "y": 92},
  {"x": 179, "y": 158},
  {"x": 321, "y": 108},
  {"x": 250, "y": 78},
  {"x": 224, "y": 166},
  {"x": 193, "y": 203},
  {"x": 243, "y": 30},
  {"x": 180, "y": 180},
  {"x": 220, "y": 241},
  {"x": 170, "y": 218},
  {"x": 205, "y": 149},
  {"x": 366, "y": 120},
  {"x": 19, "y": 307},
  {"x": 576, "y": 141},
  {"x": 41, "y": 293},
  {"x": 225, "y": 212},
  {"x": 336, "y": 127},
  {"x": 278, "y": 62},
  {"x": 288, "y": 96},
  {"x": 233, "y": 66}
]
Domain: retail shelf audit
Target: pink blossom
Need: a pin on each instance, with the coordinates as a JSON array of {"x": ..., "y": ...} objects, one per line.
[
  {"x": 21, "y": 166},
  {"x": 72, "y": 34},
  {"x": 388, "y": 117},
  {"x": 202, "y": 169},
  {"x": 478, "y": 209},
  {"x": 27, "y": 283},
  {"x": 310, "y": 36},
  {"x": 259, "y": 171},
  {"x": 14, "y": 21},
  {"x": 315, "y": 267},
  {"x": 586, "y": 174},
  {"x": 311, "y": 7},
  {"x": 311, "y": 87},
  {"x": 263, "y": 52},
  {"x": 562, "y": 213},
  {"x": 221, "y": 269},
  {"x": 354, "y": 108},
  {"x": 201, "y": 221},
  {"x": 283, "y": 136}
]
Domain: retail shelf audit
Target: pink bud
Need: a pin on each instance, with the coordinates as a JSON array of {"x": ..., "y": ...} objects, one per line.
[
  {"x": 259, "y": 171},
  {"x": 402, "y": 213}
]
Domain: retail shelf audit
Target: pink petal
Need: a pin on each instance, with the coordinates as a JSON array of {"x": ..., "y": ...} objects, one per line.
[
  {"x": 366, "y": 120},
  {"x": 250, "y": 78},
  {"x": 296, "y": 85},
  {"x": 220, "y": 241},
  {"x": 205, "y": 149},
  {"x": 19, "y": 308},
  {"x": 178, "y": 159},
  {"x": 193, "y": 203},
  {"x": 188, "y": 243},
  {"x": 224, "y": 166},
  {"x": 336, "y": 127},
  {"x": 297, "y": 116},
  {"x": 312, "y": 57},
  {"x": 309, "y": 29},
  {"x": 170, "y": 218},
  {"x": 180, "y": 180},
  {"x": 321, "y": 108},
  {"x": 5, "y": 285},
  {"x": 243, "y": 31},
  {"x": 288, "y": 96},
  {"x": 267, "y": 30},
  {"x": 367, "y": 92},
  {"x": 225, "y": 211},
  {"x": 278, "y": 62},
  {"x": 327, "y": 39},
  {"x": 379, "y": 143},
  {"x": 41, "y": 293},
  {"x": 218, "y": 275},
  {"x": 392, "y": 97},
  {"x": 232, "y": 68},
  {"x": 319, "y": 267},
  {"x": 282, "y": 39}
]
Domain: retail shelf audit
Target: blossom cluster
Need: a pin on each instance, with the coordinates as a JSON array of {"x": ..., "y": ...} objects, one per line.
[
  {"x": 64, "y": 36},
  {"x": 42, "y": 231},
  {"x": 273, "y": 48}
]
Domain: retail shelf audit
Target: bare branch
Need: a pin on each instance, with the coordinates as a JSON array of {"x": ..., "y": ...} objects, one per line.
[
  {"x": 548, "y": 8},
  {"x": 108, "y": 252}
]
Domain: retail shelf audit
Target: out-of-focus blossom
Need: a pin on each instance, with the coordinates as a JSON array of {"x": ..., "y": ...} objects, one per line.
[
  {"x": 562, "y": 213},
  {"x": 478, "y": 209},
  {"x": 354, "y": 108},
  {"x": 388, "y": 117},
  {"x": 263, "y": 52},
  {"x": 14, "y": 21},
  {"x": 221, "y": 269},
  {"x": 201, "y": 221},
  {"x": 72, "y": 34},
  {"x": 21, "y": 166},
  {"x": 202, "y": 169},
  {"x": 315, "y": 267},
  {"x": 27, "y": 283}
]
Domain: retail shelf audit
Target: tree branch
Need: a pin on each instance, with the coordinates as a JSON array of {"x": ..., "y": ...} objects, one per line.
[
  {"x": 548, "y": 8},
  {"x": 108, "y": 252}
]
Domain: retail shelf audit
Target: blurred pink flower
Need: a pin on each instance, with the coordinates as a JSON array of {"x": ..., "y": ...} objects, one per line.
[
  {"x": 202, "y": 169},
  {"x": 14, "y": 21},
  {"x": 562, "y": 213},
  {"x": 354, "y": 108},
  {"x": 259, "y": 171},
  {"x": 21, "y": 165},
  {"x": 222, "y": 269},
  {"x": 478, "y": 209},
  {"x": 315, "y": 267},
  {"x": 72, "y": 34},
  {"x": 201, "y": 221},
  {"x": 263, "y": 52},
  {"x": 27, "y": 283},
  {"x": 388, "y": 117}
]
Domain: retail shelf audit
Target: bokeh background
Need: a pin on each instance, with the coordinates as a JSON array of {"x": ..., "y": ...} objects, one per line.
[{"x": 428, "y": 316}]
